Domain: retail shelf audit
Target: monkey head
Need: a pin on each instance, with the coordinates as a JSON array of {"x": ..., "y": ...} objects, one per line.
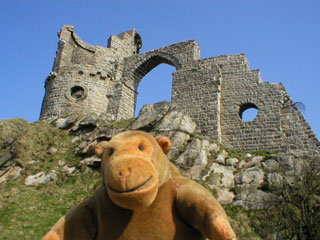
[{"x": 134, "y": 165}]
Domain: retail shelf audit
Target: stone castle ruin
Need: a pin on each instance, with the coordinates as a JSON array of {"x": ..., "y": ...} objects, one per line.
[{"x": 214, "y": 92}]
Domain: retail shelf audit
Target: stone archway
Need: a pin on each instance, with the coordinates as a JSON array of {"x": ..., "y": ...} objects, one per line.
[
  {"x": 151, "y": 62},
  {"x": 136, "y": 68},
  {"x": 155, "y": 86}
]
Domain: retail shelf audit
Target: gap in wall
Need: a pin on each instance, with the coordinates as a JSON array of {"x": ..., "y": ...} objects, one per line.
[
  {"x": 249, "y": 115},
  {"x": 156, "y": 86}
]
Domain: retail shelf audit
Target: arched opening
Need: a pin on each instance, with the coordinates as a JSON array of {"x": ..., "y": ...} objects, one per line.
[
  {"x": 155, "y": 86},
  {"x": 248, "y": 112}
]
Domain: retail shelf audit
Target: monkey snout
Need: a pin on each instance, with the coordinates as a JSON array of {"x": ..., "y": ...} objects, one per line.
[
  {"x": 123, "y": 175},
  {"x": 125, "y": 172}
]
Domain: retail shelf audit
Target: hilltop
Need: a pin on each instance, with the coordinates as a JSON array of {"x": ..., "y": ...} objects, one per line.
[{"x": 48, "y": 167}]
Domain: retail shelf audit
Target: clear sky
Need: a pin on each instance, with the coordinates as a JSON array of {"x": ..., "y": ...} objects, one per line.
[{"x": 279, "y": 37}]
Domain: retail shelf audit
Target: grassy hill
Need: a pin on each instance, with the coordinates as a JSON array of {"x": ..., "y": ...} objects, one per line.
[{"x": 29, "y": 211}]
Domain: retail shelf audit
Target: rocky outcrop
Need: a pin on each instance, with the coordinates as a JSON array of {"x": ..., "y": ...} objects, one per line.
[
  {"x": 235, "y": 176},
  {"x": 48, "y": 153},
  {"x": 10, "y": 130}
]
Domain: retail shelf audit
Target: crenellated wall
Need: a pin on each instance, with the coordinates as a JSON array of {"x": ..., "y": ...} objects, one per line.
[{"x": 214, "y": 91}]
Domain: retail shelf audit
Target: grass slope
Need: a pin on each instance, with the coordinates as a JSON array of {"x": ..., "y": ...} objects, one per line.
[{"x": 28, "y": 212}]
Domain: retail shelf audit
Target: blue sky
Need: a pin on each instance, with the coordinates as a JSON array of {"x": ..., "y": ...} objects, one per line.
[{"x": 279, "y": 37}]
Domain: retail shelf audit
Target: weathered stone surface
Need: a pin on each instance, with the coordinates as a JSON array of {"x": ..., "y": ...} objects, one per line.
[
  {"x": 88, "y": 120},
  {"x": 274, "y": 179},
  {"x": 241, "y": 164},
  {"x": 178, "y": 140},
  {"x": 192, "y": 151},
  {"x": 221, "y": 157},
  {"x": 7, "y": 142},
  {"x": 64, "y": 123},
  {"x": 52, "y": 150},
  {"x": 255, "y": 161},
  {"x": 252, "y": 199},
  {"x": 224, "y": 195},
  {"x": 107, "y": 117},
  {"x": 195, "y": 172},
  {"x": 75, "y": 139},
  {"x": 149, "y": 114},
  {"x": 220, "y": 175},
  {"x": 253, "y": 176},
  {"x": 85, "y": 125},
  {"x": 210, "y": 147},
  {"x": 105, "y": 132},
  {"x": 248, "y": 156},
  {"x": 69, "y": 170},
  {"x": 270, "y": 165},
  {"x": 83, "y": 145},
  {"x": 176, "y": 121},
  {"x": 40, "y": 178},
  {"x": 92, "y": 161},
  {"x": 88, "y": 149},
  {"x": 202, "y": 158},
  {"x": 232, "y": 161},
  {"x": 5, "y": 157},
  {"x": 62, "y": 163},
  {"x": 10, "y": 173},
  {"x": 288, "y": 163}
]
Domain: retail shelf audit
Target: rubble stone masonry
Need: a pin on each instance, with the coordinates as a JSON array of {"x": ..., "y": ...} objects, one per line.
[{"x": 214, "y": 92}]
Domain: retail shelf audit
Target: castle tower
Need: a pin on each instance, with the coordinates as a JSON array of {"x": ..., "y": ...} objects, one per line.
[{"x": 84, "y": 76}]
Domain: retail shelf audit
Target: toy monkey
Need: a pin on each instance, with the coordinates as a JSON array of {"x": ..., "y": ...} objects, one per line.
[{"x": 143, "y": 197}]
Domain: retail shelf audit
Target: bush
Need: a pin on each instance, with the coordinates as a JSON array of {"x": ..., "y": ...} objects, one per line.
[{"x": 293, "y": 209}]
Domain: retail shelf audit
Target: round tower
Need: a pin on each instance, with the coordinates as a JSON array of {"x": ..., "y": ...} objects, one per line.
[{"x": 85, "y": 76}]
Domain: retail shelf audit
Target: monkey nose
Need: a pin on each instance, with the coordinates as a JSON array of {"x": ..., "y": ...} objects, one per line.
[{"x": 124, "y": 173}]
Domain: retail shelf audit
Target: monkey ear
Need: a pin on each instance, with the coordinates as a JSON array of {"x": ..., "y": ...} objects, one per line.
[
  {"x": 99, "y": 148},
  {"x": 165, "y": 144}
]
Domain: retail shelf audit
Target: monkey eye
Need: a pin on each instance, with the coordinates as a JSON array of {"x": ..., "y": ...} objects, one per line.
[
  {"x": 141, "y": 148},
  {"x": 111, "y": 151}
]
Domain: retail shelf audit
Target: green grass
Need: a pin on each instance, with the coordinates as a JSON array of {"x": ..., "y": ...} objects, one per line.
[
  {"x": 28, "y": 212},
  {"x": 119, "y": 124},
  {"x": 233, "y": 211},
  {"x": 264, "y": 153},
  {"x": 233, "y": 153},
  {"x": 12, "y": 127},
  {"x": 240, "y": 222}
]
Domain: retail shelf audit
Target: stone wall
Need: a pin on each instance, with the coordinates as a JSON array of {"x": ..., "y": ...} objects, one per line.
[
  {"x": 242, "y": 89},
  {"x": 214, "y": 92},
  {"x": 196, "y": 91},
  {"x": 80, "y": 67}
]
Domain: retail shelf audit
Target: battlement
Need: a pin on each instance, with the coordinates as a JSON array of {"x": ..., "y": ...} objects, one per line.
[{"x": 214, "y": 91}]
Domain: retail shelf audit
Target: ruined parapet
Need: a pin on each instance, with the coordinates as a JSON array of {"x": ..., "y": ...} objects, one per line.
[
  {"x": 84, "y": 76},
  {"x": 214, "y": 92}
]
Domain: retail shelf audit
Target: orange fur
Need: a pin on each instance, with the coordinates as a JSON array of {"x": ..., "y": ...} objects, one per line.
[
  {"x": 99, "y": 149},
  {"x": 51, "y": 236},
  {"x": 143, "y": 196}
]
